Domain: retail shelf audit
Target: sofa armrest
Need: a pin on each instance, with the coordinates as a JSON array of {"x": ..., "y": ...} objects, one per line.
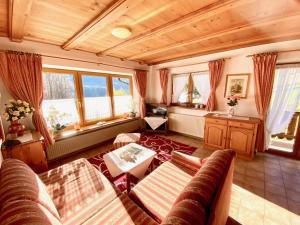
[{"x": 188, "y": 161}]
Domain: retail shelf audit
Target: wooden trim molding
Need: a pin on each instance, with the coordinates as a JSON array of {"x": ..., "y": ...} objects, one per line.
[{"x": 18, "y": 11}]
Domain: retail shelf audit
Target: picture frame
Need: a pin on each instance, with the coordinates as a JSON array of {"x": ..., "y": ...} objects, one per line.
[{"x": 237, "y": 85}]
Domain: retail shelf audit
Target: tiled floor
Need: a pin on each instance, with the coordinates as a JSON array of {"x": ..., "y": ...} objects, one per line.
[{"x": 266, "y": 191}]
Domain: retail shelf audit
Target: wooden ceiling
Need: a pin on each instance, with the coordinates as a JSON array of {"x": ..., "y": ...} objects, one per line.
[{"x": 162, "y": 30}]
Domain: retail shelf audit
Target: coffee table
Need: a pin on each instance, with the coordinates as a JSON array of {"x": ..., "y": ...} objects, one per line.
[{"x": 131, "y": 159}]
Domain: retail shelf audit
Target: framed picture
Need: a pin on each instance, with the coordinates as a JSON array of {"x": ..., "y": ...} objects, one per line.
[{"x": 237, "y": 85}]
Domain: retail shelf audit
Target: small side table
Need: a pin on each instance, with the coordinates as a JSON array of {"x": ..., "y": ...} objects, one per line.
[
  {"x": 31, "y": 151},
  {"x": 131, "y": 159}
]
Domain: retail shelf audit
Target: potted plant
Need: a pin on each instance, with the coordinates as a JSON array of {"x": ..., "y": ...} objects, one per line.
[
  {"x": 16, "y": 110},
  {"x": 232, "y": 102}
]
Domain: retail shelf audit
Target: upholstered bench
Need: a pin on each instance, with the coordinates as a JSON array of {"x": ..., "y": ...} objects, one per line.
[{"x": 125, "y": 139}]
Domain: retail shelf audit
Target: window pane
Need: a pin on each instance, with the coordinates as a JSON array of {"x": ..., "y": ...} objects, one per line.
[
  {"x": 59, "y": 104},
  {"x": 180, "y": 88},
  {"x": 96, "y": 102},
  {"x": 122, "y": 96},
  {"x": 201, "y": 87}
]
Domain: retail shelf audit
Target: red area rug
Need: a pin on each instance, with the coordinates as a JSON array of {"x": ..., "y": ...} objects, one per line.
[{"x": 161, "y": 145}]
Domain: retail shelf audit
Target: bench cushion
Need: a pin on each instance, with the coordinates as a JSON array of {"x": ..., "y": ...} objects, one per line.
[
  {"x": 26, "y": 212},
  {"x": 201, "y": 190},
  {"x": 159, "y": 190},
  {"x": 19, "y": 182},
  {"x": 78, "y": 190},
  {"x": 121, "y": 211}
]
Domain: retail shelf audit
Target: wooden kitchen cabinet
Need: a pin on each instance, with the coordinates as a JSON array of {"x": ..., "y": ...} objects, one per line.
[
  {"x": 237, "y": 133},
  {"x": 31, "y": 151}
]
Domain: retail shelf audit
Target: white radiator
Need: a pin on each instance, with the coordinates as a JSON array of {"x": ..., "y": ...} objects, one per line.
[
  {"x": 187, "y": 124},
  {"x": 76, "y": 143}
]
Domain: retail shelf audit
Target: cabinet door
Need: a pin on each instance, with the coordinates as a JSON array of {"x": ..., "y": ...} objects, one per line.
[
  {"x": 240, "y": 140},
  {"x": 215, "y": 135}
]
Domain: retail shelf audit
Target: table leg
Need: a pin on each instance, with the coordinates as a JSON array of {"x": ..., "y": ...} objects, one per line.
[{"x": 128, "y": 182}]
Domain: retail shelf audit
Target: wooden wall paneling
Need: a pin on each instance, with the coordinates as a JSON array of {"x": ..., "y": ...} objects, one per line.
[
  {"x": 252, "y": 37},
  {"x": 18, "y": 12},
  {"x": 232, "y": 30},
  {"x": 106, "y": 17},
  {"x": 3, "y": 18},
  {"x": 197, "y": 15},
  {"x": 55, "y": 22}
]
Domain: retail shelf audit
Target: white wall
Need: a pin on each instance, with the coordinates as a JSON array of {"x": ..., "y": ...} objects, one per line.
[
  {"x": 238, "y": 63},
  {"x": 52, "y": 50}
]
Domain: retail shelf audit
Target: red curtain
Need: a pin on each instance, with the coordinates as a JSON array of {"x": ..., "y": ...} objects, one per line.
[
  {"x": 264, "y": 70},
  {"x": 140, "y": 78},
  {"x": 22, "y": 76},
  {"x": 164, "y": 74},
  {"x": 215, "y": 73}
]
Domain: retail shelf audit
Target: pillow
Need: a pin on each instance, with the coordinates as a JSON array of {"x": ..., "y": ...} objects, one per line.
[
  {"x": 26, "y": 212},
  {"x": 19, "y": 182}
]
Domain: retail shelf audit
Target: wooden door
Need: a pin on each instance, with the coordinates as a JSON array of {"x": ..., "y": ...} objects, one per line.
[
  {"x": 215, "y": 135},
  {"x": 240, "y": 140}
]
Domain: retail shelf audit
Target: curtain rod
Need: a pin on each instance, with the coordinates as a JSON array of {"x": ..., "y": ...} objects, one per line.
[
  {"x": 295, "y": 50},
  {"x": 80, "y": 60},
  {"x": 200, "y": 71},
  {"x": 192, "y": 64},
  {"x": 287, "y": 63}
]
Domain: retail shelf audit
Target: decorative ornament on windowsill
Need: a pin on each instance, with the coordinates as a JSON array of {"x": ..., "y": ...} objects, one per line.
[
  {"x": 55, "y": 120},
  {"x": 232, "y": 102},
  {"x": 15, "y": 111}
]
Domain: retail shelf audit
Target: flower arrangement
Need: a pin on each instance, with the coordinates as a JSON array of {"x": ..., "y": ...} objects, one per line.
[
  {"x": 16, "y": 110},
  {"x": 232, "y": 100},
  {"x": 54, "y": 118}
]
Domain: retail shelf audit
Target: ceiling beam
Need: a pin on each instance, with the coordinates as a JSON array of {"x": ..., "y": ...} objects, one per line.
[
  {"x": 112, "y": 12},
  {"x": 226, "y": 47},
  {"x": 200, "y": 14},
  {"x": 231, "y": 30},
  {"x": 18, "y": 12}
]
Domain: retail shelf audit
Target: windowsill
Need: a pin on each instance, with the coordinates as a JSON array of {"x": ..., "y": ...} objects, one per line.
[
  {"x": 88, "y": 129},
  {"x": 187, "y": 107}
]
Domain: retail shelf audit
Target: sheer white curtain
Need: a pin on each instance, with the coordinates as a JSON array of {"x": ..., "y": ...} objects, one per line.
[
  {"x": 179, "y": 83},
  {"x": 285, "y": 99},
  {"x": 202, "y": 84}
]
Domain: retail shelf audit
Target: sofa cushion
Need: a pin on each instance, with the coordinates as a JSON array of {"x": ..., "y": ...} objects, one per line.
[
  {"x": 19, "y": 182},
  {"x": 203, "y": 186},
  {"x": 78, "y": 190},
  {"x": 121, "y": 211},
  {"x": 26, "y": 212},
  {"x": 159, "y": 190},
  {"x": 186, "y": 212},
  {"x": 188, "y": 161}
]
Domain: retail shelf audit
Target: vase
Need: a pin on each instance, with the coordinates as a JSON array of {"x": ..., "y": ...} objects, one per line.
[
  {"x": 16, "y": 128},
  {"x": 231, "y": 111}
]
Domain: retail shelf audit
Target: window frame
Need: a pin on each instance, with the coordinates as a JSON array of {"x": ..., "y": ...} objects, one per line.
[
  {"x": 80, "y": 97},
  {"x": 189, "y": 103}
]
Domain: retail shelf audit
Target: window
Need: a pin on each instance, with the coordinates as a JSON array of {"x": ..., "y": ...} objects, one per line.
[
  {"x": 84, "y": 97},
  {"x": 95, "y": 98},
  {"x": 192, "y": 88},
  {"x": 59, "y": 105},
  {"x": 122, "y": 95}
]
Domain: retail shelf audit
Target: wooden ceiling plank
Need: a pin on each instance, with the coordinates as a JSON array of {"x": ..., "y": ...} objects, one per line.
[
  {"x": 200, "y": 14},
  {"x": 18, "y": 12},
  {"x": 113, "y": 11},
  {"x": 226, "y": 47},
  {"x": 231, "y": 30}
]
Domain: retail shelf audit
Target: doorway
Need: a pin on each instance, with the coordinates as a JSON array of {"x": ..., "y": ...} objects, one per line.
[{"x": 283, "y": 122}]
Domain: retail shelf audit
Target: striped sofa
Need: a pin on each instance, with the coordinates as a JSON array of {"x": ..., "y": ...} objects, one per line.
[{"x": 185, "y": 190}]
